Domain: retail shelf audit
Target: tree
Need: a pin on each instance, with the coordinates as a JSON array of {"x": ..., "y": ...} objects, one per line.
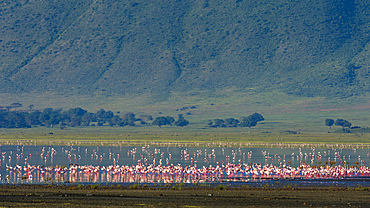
[
  {"x": 13, "y": 120},
  {"x": 33, "y": 118},
  {"x": 181, "y": 121},
  {"x": 130, "y": 118},
  {"x": 76, "y": 112},
  {"x": 161, "y": 121},
  {"x": 50, "y": 117},
  {"x": 347, "y": 125},
  {"x": 31, "y": 106},
  {"x": 251, "y": 120},
  {"x": 218, "y": 123},
  {"x": 108, "y": 114},
  {"x": 341, "y": 122},
  {"x": 231, "y": 122},
  {"x": 87, "y": 118},
  {"x": 122, "y": 123},
  {"x": 248, "y": 122},
  {"x": 74, "y": 121},
  {"x": 329, "y": 122},
  {"x": 170, "y": 120},
  {"x": 257, "y": 117},
  {"x": 100, "y": 114},
  {"x": 15, "y": 105},
  {"x": 114, "y": 120}
]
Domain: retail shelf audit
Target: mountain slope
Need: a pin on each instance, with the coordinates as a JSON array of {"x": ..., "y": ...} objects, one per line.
[{"x": 134, "y": 46}]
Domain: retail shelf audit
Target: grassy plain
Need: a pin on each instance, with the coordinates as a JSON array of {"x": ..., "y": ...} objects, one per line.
[
  {"x": 203, "y": 137},
  {"x": 282, "y": 113}
]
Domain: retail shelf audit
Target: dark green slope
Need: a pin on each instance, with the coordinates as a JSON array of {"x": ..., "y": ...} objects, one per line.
[{"x": 302, "y": 47}]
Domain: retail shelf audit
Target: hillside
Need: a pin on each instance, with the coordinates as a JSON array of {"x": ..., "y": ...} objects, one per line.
[{"x": 85, "y": 47}]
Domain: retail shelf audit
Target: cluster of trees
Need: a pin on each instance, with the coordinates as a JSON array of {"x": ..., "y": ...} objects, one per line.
[
  {"x": 167, "y": 120},
  {"x": 248, "y": 121},
  {"x": 339, "y": 122},
  {"x": 80, "y": 117},
  {"x": 72, "y": 117},
  {"x": 229, "y": 122},
  {"x": 346, "y": 126},
  {"x": 11, "y": 119},
  {"x": 13, "y": 105}
]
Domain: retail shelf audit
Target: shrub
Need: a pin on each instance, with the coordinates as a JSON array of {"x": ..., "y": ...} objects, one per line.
[{"x": 220, "y": 187}]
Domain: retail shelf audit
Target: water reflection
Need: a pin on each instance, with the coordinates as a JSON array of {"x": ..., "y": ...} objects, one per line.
[{"x": 148, "y": 164}]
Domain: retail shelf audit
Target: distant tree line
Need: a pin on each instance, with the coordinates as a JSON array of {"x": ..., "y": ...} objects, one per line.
[
  {"x": 72, "y": 117},
  {"x": 248, "y": 121},
  {"x": 167, "y": 120},
  {"x": 346, "y": 126},
  {"x": 339, "y": 122},
  {"x": 13, "y": 105},
  {"x": 80, "y": 117}
]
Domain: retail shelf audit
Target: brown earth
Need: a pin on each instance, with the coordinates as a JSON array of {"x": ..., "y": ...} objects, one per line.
[{"x": 88, "y": 196}]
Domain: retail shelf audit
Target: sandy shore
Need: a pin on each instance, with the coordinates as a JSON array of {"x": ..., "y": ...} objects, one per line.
[{"x": 88, "y": 196}]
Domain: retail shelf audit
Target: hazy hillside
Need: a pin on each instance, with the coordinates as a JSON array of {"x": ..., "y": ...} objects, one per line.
[{"x": 318, "y": 47}]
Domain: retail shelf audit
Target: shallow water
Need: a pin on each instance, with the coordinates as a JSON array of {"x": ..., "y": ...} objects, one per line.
[{"x": 51, "y": 156}]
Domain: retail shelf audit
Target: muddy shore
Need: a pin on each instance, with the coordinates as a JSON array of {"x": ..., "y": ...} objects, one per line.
[{"x": 119, "y": 196}]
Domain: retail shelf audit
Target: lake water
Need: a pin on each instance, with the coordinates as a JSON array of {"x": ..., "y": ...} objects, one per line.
[{"x": 104, "y": 156}]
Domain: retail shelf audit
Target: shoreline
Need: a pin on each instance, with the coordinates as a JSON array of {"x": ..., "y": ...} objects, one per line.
[{"x": 115, "y": 196}]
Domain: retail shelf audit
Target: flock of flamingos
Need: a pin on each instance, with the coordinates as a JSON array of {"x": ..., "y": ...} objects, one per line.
[{"x": 151, "y": 163}]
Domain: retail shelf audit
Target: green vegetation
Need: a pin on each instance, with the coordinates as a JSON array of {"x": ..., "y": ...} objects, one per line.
[
  {"x": 81, "y": 47},
  {"x": 281, "y": 112},
  {"x": 248, "y": 121},
  {"x": 346, "y": 126},
  {"x": 329, "y": 122},
  {"x": 94, "y": 186},
  {"x": 163, "y": 120},
  {"x": 135, "y": 186},
  {"x": 343, "y": 123},
  {"x": 251, "y": 120},
  {"x": 360, "y": 188},
  {"x": 296, "y": 63},
  {"x": 305, "y": 117},
  {"x": 73, "y": 117},
  {"x": 181, "y": 121},
  {"x": 171, "y": 135},
  {"x": 78, "y": 117},
  {"x": 220, "y": 187}
]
